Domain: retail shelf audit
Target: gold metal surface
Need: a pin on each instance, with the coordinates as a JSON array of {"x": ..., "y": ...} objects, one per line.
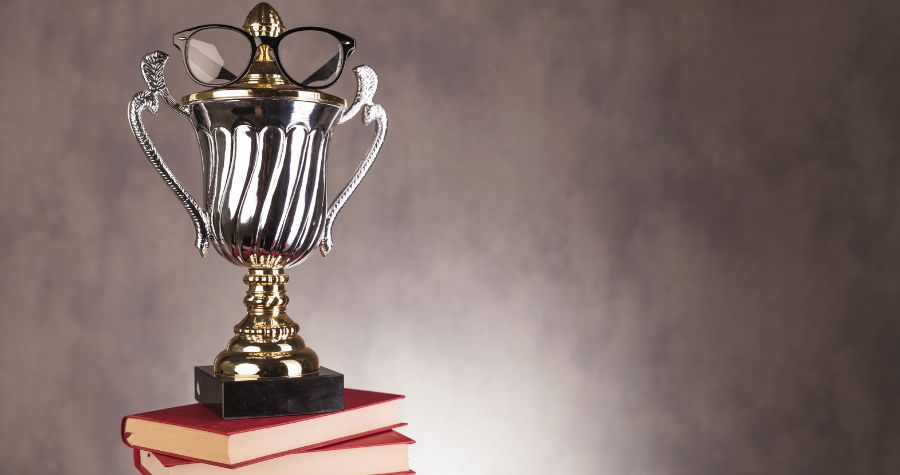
[
  {"x": 278, "y": 93},
  {"x": 264, "y": 72},
  {"x": 266, "y": 342},
  {"x": 263, "y": 20}
]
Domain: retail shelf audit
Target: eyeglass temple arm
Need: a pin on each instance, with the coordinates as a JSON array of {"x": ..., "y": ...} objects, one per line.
[{"x": 323, "y": 72}]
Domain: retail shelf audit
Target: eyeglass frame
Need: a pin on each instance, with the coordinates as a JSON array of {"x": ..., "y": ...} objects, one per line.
[{"x": 181, "y": 39}]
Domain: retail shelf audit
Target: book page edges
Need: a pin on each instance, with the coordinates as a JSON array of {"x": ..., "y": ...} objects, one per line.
[
  {"x": 244, "y": 448},
  {"x": 168, "y": 438}
]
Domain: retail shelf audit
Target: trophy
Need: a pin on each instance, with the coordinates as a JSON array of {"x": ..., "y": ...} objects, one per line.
[{"x": 263, "y": 126}]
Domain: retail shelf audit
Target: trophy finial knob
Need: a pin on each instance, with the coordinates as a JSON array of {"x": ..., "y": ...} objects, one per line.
[{"x": 263, "y": 20}]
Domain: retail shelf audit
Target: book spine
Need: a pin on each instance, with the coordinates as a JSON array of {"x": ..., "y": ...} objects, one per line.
[{"x": 123, "y": 433}]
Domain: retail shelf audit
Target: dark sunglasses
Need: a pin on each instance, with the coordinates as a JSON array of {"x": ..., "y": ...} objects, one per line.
[{"x": 219, "y": 55}]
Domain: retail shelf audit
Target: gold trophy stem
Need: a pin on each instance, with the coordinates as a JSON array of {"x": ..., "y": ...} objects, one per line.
[{"x": 266, "y": 343}]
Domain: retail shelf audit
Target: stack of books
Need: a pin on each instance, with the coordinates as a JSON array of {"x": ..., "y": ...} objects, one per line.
[{"x": 193, "y": 440}]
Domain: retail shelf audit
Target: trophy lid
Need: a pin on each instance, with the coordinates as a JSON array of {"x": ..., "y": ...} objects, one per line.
[{"x": 264, "y": 78}]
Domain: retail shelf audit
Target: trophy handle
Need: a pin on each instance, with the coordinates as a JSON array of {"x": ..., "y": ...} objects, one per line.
[
  {"x": 367, "y": 83},
  {"x": 152, "y": 69}
]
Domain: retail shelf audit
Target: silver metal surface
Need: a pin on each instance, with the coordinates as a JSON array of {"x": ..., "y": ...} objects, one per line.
[
  {"x": 152, "y": 69},
  {"x": 263, "y": 164},
  {"x": 264, "y": 175},
  {"x": 366, "y": 85}
]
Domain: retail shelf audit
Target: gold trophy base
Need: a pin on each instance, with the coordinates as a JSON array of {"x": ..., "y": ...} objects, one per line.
[{"x": 266, "y": 343}]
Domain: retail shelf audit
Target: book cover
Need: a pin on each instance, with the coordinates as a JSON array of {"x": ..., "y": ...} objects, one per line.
[{"x": 198, "y": 421}]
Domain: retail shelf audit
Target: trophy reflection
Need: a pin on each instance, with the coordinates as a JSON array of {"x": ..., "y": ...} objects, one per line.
[{"x": 263, "y": 126}]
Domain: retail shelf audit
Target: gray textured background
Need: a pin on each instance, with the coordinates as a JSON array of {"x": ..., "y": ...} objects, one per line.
[{"x": 619, "y": 237}]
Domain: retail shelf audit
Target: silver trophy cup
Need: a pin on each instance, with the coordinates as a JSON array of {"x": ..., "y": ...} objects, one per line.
[{"x": 263, "y": 152}]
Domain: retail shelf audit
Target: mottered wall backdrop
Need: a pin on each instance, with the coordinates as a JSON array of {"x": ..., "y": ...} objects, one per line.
[{"x": 603, "y": 237}]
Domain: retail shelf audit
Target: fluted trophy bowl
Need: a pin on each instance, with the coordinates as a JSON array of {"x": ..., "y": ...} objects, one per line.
[
  {"x": 264, "y": 175},
  {"x": 263, "y": 154}
]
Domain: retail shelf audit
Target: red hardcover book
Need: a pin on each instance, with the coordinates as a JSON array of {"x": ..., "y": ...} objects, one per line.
[
  {"x": 383, "y": 453},
  {"x": 194, "y": 432}
]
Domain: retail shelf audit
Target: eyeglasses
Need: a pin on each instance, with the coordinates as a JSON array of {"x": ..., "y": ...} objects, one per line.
[{"x": 219, "y": 55}]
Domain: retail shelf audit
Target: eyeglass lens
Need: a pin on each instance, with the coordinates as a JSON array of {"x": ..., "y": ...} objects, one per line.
[
  {"x": 215, "y": 56},
  {"x": 313, "y": 58}
]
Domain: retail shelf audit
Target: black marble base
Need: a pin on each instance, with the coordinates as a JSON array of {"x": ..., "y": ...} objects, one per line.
[{"x": 267, "y": 397}]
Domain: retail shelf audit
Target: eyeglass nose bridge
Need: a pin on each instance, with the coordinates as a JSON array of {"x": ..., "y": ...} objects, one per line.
[{"x": 264, "y": 67}]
